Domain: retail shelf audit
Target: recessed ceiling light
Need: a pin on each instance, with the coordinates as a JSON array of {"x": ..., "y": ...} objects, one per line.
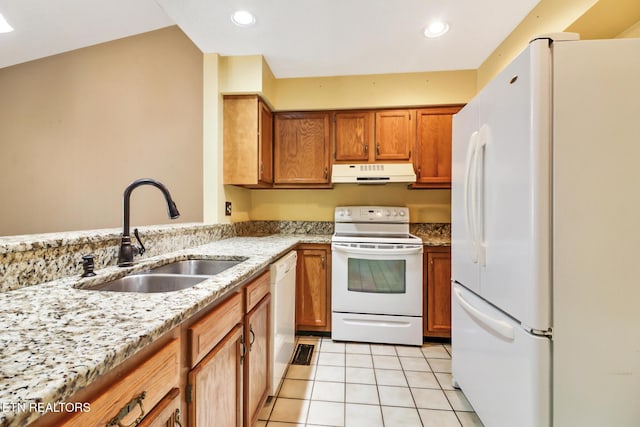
[
  {"x": 242, "y": 18},
  {"x": 4, "y": 25},
  {"x": 436, "y": 29}
]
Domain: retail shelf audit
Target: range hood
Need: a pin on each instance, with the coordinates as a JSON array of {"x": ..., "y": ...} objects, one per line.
[{"x": 373, "y": 173}]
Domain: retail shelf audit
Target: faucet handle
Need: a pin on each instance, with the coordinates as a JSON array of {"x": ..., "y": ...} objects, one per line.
[
  {"x": 141, "y": 249},
  {"x": 87, "y": 266}
]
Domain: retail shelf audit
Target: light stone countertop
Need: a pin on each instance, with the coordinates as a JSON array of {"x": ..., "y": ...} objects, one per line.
[{"x": 56, "y": 339}]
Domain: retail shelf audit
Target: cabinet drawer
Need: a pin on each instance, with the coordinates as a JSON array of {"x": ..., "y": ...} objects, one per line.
[
  {"x": 211, "y": 329},
  {"x": 154, "y": 378},
  {"x": 256, "y": 290}
]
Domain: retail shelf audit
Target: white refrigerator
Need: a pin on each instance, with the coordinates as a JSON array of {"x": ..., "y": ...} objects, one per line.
[{"x": 546, "y": 238}]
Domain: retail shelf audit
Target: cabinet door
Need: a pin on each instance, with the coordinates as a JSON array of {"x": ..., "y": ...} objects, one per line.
[
  {"x": 437, "y": 319},
  {"x": 257, "y": 359},
  {"x": 301, "y": 148},
  {"x": 265, "y": 129},
  {"x": 214, "y": 389},
  {"x": 352, "y": 136},
  {"x": 432, "y": 160},
  {"x": 313, "y": 291},
  {"x": 247, "y": 141},
  {"x": 395, "y": 134}
]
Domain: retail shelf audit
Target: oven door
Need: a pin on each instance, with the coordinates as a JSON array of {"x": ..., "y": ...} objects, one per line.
[{"x": 376, "y": 278}]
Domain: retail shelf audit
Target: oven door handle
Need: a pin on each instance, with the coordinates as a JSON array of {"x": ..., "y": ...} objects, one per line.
[{"x": 375, "y": 251}]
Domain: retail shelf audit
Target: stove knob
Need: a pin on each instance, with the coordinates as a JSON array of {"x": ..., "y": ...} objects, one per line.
[
  {"x": 347, "y": 212},
  {"x": 401, "y": 213},
  {"x": 395, "y": 213},
  {"x": 386, "y": 212}
]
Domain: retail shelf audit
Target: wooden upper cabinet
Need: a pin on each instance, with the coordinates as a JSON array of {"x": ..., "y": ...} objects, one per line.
[
  {"x": 352, "y": 135},
  {"x": 395, "y": 134},
  {"x": 432, "y": 159},
  {"x": 302, "y": 149},
  {"x": 247, "y": 141}
]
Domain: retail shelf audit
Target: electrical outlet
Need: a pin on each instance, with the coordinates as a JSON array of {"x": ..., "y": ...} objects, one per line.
[{"x": 227, "y": 208}]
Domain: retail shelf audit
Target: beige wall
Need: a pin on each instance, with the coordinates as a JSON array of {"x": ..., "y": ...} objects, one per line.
[
  {"x": 77, "y": 128},
  {"x": 592, "y": 19}
]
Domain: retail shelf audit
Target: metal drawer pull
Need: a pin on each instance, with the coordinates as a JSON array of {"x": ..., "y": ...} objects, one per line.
[
  {"x": 136, "y": 401},
  {"x": 176, "y": 418}
]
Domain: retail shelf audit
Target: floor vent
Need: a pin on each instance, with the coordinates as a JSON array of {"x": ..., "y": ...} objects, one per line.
[{"x": 303, "y": 354}]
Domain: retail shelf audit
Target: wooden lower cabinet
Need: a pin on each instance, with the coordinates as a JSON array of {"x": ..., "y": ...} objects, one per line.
[
  {"x": 257, "y": 359},
  {"x": 214, "y": 387},
  {"x": 313, "y": 288},
  {"x": 437, "y": 292}
]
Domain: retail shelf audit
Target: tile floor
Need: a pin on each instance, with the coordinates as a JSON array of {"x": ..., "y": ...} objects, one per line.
[{"x": 369, "y": 385}]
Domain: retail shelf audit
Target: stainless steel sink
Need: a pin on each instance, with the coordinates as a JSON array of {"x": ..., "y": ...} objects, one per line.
[
  {"x": 150, "y": 283},
  {"x": 204, "y": 267}
]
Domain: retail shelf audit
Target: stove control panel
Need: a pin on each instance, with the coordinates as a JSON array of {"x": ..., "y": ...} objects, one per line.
[{"x": 392, "y": 214}]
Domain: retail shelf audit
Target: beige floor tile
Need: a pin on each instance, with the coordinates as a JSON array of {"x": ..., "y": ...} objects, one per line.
[
  {"x": 357, "y": 348},
  {"x": 421, "y": 379},
  {"x": 458, "y": 401},
  {"x": 330, "y": 373},
  {"x": 301, "y": 372},
  {"x": 440, "y": 365},
  {"x": 400, "y": 417},
  {"x": 390, "y": 377},
  {"x": 296, "y": 389},
  {"x": 383, "y": 350},
  {"x": 408, "y": 351},
  {"x": 290, "y": 410},
  {"x": 362, "y": 393},
  {"x": 435, "y": 351},
  {"x": 360, "y": 375},
  {"x": 331, "y": 359},
  {"x": 386, "y": 362},
  {"x": 328, "y": 391},
  {"x": 363, "y": 416},
  {"x": 469, "y": 419},
  {"x": 359, "y": 360},
  {"x": 414, "y": 364},
  {"x": 326, "y": 413},
  {"x": 445, "y": 380},
  {"x": 331, "y": 346},
  {"x": 427, "y": 398},
  {"x": 396, "y": 396},
  {"x": 433, "y": 418}
]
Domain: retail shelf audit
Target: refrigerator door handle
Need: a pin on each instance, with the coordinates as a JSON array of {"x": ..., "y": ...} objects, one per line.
[
  {"x": 481, "y": 144},
  {"x": 502, "y": 328},
  {"x": 469, "y": 194}
]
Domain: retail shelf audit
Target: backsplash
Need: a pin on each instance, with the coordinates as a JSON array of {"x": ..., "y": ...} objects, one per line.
[{"x": 33, "y": 259}]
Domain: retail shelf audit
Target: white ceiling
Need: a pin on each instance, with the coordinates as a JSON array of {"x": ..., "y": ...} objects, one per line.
[{"x": 299, "y": 38}]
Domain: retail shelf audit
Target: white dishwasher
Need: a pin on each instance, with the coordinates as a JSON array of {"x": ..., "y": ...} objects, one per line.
[{"x": 283, "y": 316}]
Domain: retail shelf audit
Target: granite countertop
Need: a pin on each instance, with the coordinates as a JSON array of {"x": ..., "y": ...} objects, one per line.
[{"x": 56, "y": 338}]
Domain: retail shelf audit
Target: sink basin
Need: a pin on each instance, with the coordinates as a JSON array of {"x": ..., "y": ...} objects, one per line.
[
  {"x": 149, "y": 283},
  {"x": 201, "y": 267}
]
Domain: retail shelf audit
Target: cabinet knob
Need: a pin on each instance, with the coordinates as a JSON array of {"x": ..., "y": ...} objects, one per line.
[
  {"x": 419, "y": 171},
  {"x": 326, "y": 172}
]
